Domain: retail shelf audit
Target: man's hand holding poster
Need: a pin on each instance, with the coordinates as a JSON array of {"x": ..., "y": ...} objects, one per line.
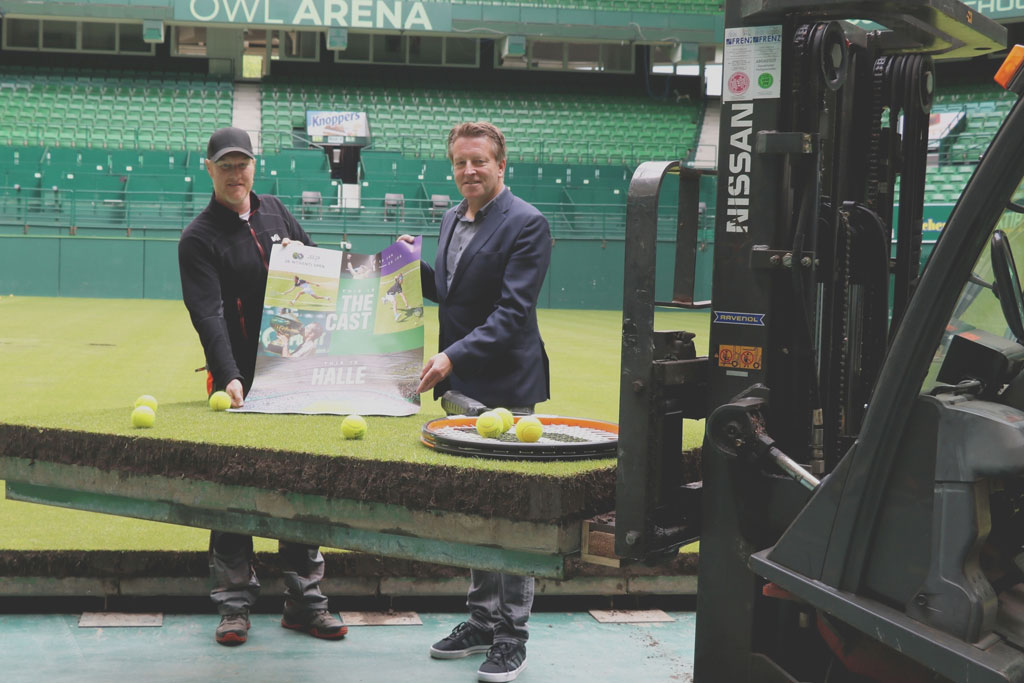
[{"x": 341, "y": 333}]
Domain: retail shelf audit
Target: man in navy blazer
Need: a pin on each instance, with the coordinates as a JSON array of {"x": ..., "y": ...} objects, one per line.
[{"x": 493, "y": 253}]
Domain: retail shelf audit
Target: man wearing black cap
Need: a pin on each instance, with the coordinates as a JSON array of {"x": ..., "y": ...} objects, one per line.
[{"x": 224, "y": 257}]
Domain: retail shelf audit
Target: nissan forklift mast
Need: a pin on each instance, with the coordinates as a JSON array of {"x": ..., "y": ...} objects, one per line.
[
  {"x": 821, "y": 122},
  {"x": 857, "y": 521}
]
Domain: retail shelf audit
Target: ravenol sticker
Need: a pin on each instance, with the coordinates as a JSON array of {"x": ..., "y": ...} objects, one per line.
[
  {"x": 732, "y": 318},
  {"x": 741, "y": 357}
]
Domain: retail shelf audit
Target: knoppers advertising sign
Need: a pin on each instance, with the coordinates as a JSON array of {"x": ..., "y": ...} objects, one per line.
[{"x": 337, "y": 124}]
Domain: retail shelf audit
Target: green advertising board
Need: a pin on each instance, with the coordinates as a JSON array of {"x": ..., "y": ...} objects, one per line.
[{"x": 933, "y": 220}]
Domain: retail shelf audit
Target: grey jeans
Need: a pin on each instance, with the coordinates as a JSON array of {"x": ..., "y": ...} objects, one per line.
[
  {"x": 500, "y": 603},
  {"x": 235, "y": 586}
]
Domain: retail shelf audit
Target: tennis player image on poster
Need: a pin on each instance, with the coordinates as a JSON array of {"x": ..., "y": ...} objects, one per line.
[{"x": 341, "y": 333}]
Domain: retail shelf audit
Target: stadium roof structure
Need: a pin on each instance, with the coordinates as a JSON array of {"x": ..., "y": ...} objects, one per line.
[{"x": 692, "y": 24}]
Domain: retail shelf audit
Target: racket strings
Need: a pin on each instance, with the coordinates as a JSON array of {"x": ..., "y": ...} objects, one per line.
[{"x": 553, "y": 433}]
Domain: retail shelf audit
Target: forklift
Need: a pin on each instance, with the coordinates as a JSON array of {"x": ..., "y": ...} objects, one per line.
[{"x": 861, "y": 505}]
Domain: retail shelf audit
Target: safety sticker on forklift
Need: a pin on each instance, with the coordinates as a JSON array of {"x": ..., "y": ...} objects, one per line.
[
  {"x": 742, "y": 357},
  {"x": 735, "y": 318},
  {"x": 752, "y": 66}
]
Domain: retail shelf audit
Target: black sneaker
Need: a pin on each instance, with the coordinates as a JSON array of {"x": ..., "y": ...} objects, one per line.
[
  {"x": 505, "y": 661},
  {"x": 233, "y": 629},
  {"x": 317, "y": 623},
  {"x": 465, "y": 639}
]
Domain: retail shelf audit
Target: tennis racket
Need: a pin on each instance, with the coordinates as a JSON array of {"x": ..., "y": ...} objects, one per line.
[{"x": 564, "y": 438}]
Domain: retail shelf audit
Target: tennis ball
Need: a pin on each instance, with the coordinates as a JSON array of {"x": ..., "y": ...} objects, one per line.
[
  {"x": 529, "y": 429},
  {"x": 489, "y": 425},
  {"x": 146, "y": 400},
  {"x": 353, "y": 427},
  {"x": 506, "y": 418},
  {"x": 219, "y": 400},
  {"x": 143, "y": 416}
]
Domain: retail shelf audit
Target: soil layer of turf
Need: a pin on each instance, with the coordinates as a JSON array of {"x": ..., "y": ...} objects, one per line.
[
  {"x": 489, "y": 493},
  {"x": 417, "y": 486}
]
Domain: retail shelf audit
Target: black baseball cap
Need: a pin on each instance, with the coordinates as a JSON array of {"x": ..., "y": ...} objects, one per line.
[{"x": 227, "y": 140}]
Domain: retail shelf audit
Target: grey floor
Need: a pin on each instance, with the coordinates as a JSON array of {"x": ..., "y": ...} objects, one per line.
[{"x": 563, "y": 647}]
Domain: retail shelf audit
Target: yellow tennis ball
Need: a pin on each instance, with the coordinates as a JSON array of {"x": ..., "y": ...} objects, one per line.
[
  {"x": 353, "y": 427},
  {"x": 143, "y": 416},
  {"x": 506, "y": 418},
  {"x": 529, "y": 429},
  {"x": 146, "y": 400},
  {"x": 219, "y": 400},
  {"x": 489, "y": 425}
]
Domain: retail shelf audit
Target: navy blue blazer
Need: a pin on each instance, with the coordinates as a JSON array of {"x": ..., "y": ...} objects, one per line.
[{"x": 488, "y": 318}]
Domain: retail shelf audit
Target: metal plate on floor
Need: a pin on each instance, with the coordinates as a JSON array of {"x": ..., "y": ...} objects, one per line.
[
  {"x": 381, "y": 619},
  {"x": 630, "y": 616},
  {"x": 119, "y": 619}
]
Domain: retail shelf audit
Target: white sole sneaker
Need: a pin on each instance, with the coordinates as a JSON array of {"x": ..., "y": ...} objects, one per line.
[
  {"x": 459, "y": 654},
  {"x": 501, "y": 677}
]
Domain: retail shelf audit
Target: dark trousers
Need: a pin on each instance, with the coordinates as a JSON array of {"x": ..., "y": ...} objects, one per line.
[
  {"x": 236, "y": 587},
  {"x": 500, "y": 603}
]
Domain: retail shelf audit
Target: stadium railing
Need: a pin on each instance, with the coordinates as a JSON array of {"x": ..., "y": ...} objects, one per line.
[{"x": 582, "y": 151}]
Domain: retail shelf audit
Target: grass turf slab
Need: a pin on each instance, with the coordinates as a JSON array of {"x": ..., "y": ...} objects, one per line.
[
  {"x": 78, "y": 364},
  {"x": 521, "y": 496}
]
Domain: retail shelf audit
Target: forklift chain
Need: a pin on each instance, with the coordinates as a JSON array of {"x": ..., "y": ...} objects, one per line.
[
  {"x": 815, "y": 74},
  {"x": 844, "y": 381},
  {"x": 801, "y": 43},
  {"x": 886, "y": 96},
  {"x": 874, "y": 180},
  {"x": 809, "y": 44},
  {"x": 915, "y": 85}
]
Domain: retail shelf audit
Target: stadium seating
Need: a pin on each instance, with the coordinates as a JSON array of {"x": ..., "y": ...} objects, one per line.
[
  {"x": 110, "y": 109},
  {"x": 541, "y": 127},
  {"x": 124, "y": 156},
  {"x": 944, "y": 184},
  {"x": 984, "y": 106},
  {"x": 571, "y": 153}
]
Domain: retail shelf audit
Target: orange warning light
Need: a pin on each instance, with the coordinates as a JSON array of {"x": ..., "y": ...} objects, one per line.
[{"x": 1011, "y": 66}]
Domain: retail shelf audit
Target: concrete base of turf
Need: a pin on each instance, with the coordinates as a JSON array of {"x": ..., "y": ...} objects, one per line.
[
  {"x": 496, "y": 520},
  {"x": 111, "y": 575}
]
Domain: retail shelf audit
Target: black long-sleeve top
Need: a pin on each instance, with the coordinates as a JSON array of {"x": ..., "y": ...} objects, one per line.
[{"x": 224, "y": 262}]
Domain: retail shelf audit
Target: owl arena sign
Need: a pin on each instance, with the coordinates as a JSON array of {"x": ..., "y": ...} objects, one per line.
[{"x": 373, "y": 14}]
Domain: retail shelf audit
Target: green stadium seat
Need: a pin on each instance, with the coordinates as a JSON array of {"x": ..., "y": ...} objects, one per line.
[{"x": 410, "y": 120}]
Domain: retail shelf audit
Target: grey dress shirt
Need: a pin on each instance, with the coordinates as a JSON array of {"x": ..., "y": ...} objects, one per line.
[{"x": 463, "y": 233}]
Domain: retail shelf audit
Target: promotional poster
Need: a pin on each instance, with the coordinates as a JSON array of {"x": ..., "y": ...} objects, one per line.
[{"x": 341, "y": 333}]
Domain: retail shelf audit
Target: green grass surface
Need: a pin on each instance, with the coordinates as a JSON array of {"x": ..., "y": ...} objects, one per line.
[{"x": 80, "y": 364}]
